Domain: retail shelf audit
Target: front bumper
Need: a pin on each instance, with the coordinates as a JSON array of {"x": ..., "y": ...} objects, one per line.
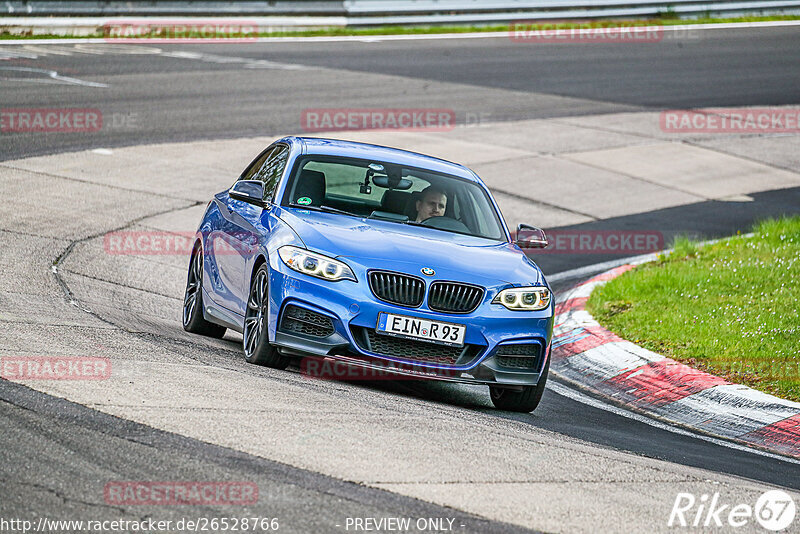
[{"x": 353, "y": 311}]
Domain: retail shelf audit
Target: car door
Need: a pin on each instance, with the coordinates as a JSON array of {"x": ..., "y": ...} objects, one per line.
[{"x": 243, "y": 224}]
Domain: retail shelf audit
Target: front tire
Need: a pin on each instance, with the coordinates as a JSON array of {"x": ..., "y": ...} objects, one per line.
[
  {"x": 255, "y": 341},
  {"x": 193, "y": 320},
  {"x": 524, "y": 401}
]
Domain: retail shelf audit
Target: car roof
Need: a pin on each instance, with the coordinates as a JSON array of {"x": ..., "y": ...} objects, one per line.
[{"x": 353, "y": 149}]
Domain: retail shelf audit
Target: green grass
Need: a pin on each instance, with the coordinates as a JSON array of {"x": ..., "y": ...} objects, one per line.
[
  {"x": 665, "y": 19},
  {"x": 729, "y": 308}
]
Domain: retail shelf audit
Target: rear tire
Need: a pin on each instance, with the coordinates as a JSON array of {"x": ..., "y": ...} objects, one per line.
[
  {"x": 520, "y": 401},
  {"x": 255, "y": 342},
  {"x": 193, "y": 320}
]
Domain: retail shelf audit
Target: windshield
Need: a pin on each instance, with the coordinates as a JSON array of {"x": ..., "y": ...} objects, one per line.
[{"x": 405, "y": 195}]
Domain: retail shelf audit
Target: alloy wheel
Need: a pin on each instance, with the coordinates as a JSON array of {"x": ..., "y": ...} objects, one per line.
[{"x": 256, "y": 314}]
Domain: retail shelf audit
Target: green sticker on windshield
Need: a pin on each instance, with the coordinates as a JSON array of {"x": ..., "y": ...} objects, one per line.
[{"x": 304, "y": 201}]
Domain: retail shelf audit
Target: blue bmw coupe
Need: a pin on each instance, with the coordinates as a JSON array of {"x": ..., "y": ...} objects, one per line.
[{"x": 376, "y": 257}]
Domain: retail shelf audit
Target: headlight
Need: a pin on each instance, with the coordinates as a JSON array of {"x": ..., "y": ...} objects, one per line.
[
  {"x": 313, "y": 264},
  {"x": 524, "y": 298}
]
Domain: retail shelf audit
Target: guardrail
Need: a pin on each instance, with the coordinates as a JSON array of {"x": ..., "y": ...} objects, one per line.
[
  {"x": 390, "y": 12},
  {"x": 100, "y": 8}
]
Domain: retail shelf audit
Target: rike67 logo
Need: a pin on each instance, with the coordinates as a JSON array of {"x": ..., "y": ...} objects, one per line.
[{"x": 774, "y": 510}]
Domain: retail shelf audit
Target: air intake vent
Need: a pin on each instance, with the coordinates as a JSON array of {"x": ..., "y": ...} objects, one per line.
[
  {"x": 298, "y": 320},
  {"x": 525, "y": 356},
  {"x": 397, "y": 288},
  {"x": 454, "y": 297}
]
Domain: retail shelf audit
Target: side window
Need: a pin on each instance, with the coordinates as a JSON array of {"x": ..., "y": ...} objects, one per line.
[{"x": 269, "y": 168}]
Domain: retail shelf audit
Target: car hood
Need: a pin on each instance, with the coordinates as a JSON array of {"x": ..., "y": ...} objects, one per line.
[{"x": 376, "y": 244}]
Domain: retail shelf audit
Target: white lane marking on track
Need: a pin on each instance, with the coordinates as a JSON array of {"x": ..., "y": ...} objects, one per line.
[
  {"x": 600, "y": 267},
  {"x": 420, "y": 37},
  {"x": 505, "y": 34},
  {"x": 52, "y": 77},
  {"x": 633, "y": 260},
  {"x": 117, "y": 49},
  {"x": 36, "y": 52},
  {"x": 577, "y": 396},
  {"x": 50, "y": 50},
  {"x": 6, "y": 54},
  {"x": 248, "y": 63},
  {"x": 30, "y": 51}
]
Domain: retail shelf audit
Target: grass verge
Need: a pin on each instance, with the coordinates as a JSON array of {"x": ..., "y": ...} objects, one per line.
[
  {"x": 728, "y": 308},
  {"x": 666, "y": 19}
]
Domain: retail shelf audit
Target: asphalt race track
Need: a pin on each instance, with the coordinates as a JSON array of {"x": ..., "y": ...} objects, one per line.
[
  {"x": 182, "y": 407},
  {"x": 186, "y": 92}
]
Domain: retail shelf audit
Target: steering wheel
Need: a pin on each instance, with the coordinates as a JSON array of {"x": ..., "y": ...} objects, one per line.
[{"x": 445, "y": 223}]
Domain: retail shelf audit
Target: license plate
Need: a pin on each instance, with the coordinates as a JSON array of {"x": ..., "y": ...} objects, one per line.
[{"x": 416, "y": 328}]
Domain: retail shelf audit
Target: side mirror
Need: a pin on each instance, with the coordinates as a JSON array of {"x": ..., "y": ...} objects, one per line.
[
  {"x": 530, "y": 237},
  {"x": 250, "y": 191}
]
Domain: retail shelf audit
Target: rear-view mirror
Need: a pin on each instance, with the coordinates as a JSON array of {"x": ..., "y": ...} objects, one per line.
[{"x": 384, "y": 181}]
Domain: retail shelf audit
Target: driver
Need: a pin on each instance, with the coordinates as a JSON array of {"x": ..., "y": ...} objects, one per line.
[{"x": 432, "y": 203}]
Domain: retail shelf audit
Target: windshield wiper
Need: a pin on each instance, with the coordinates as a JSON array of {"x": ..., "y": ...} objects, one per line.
[
  {"x": 470, "y": 234},
  {"x": 337, "y": 210},
  {"x": 326, "y": 209}
]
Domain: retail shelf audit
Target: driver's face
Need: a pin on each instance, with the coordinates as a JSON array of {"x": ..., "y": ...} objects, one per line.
[{"x": 433, "y": 205}]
